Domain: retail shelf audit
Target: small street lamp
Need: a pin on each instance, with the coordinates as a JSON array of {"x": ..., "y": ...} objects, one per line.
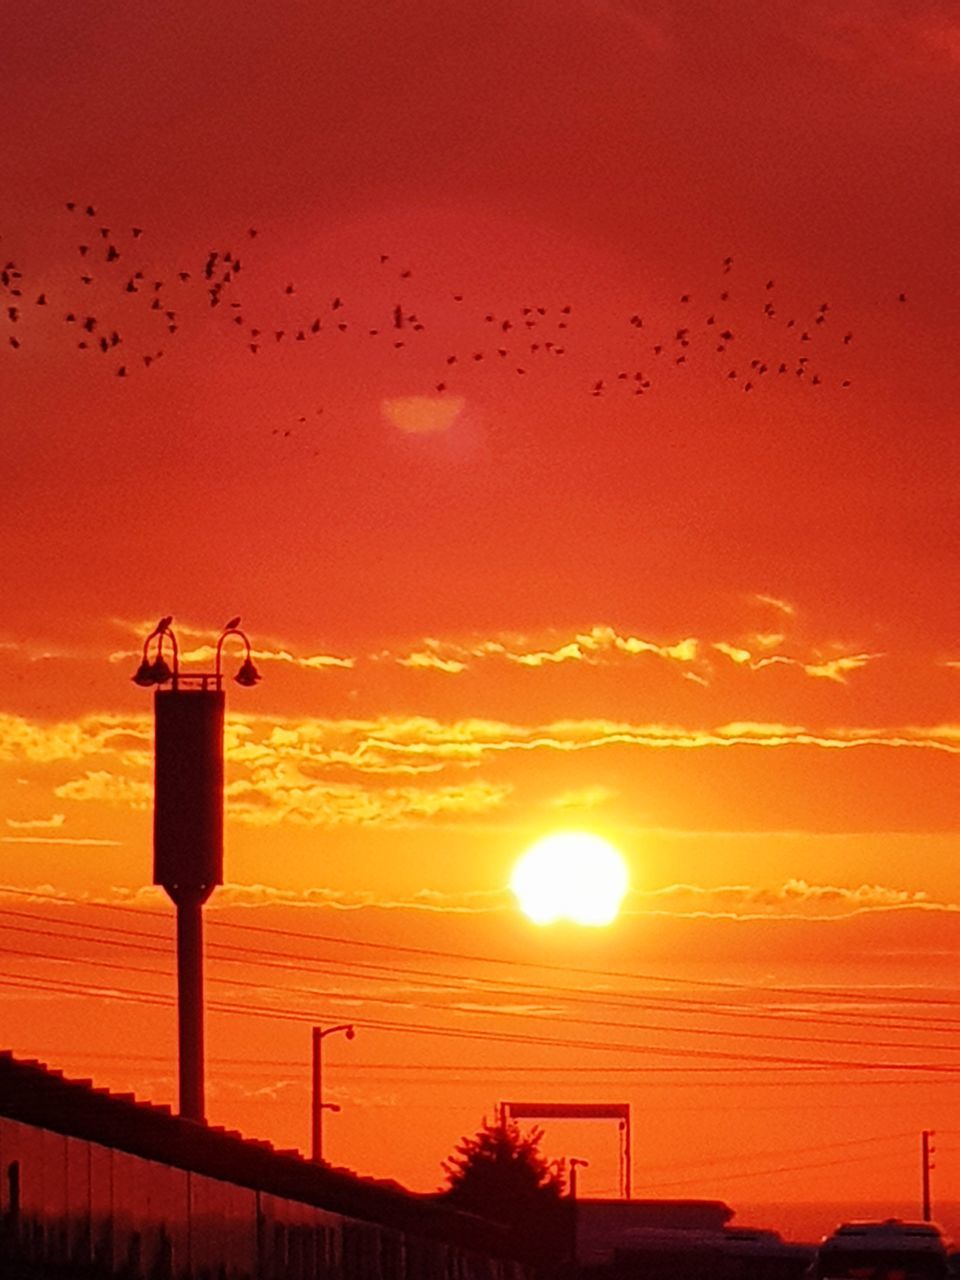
[
  {"x": 575, "y": 1164},
  {"x": 319, "y": 1106},
  {"x": 188, "y": 817}
]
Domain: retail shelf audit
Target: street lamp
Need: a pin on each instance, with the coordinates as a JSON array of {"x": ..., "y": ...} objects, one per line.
[
  {"x": 319, "y": 1106},
  {"x": 575, "y": 1164},
  {"x": 188, "y": 817}
]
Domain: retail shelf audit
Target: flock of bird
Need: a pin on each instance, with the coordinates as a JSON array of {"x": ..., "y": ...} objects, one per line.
[{"x": 743, "y": 335}]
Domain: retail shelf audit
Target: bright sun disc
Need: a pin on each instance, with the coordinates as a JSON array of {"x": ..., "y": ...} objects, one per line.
[{"x": 570, "y": 876}]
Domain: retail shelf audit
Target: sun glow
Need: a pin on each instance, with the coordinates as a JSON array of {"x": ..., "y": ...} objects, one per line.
[{"x": 571, "y": 876}]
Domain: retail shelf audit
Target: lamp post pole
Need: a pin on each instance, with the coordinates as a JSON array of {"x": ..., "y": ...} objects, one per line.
[
  {"x": 190, "y": 1034},
  {"x": 318, "y": 1105},
  {"x": 575, "y": 1163},
  {"x": 188, "y": 819}
]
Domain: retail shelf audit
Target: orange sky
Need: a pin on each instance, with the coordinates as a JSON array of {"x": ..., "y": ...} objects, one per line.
[{"x": 715, "y": 623}]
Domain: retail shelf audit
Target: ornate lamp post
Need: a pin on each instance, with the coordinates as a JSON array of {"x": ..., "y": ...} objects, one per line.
[{"x": 188, "y": 817}]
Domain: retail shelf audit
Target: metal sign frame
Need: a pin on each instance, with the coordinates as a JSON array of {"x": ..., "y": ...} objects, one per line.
[{"x": 619, "y": 1111}]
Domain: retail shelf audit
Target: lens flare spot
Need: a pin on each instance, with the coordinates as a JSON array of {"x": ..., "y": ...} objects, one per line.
[{"x": 420, "y": 415}]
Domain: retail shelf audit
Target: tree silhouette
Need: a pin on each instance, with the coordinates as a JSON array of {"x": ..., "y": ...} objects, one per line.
[{"x": 500, "y": 1174}]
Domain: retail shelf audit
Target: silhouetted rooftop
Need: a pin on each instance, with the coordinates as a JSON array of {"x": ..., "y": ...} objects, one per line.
[{"x": 35, "y": 1094}]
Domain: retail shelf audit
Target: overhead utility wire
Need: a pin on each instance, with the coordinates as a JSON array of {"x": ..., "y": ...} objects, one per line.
[
  {"x": 65, "y": 986},
  {"x": 756, "y": 1173},
  {"x": 773, "y": 1155},
  {"x": 826, "y": 993},
  {"x": 411, "y": 1072},
  {"x": 301, "y": 963},
  {"x": 505, "y": 986},
  {"x": 609, "y": 1076},
  {"x": 555, "y": 1019}
]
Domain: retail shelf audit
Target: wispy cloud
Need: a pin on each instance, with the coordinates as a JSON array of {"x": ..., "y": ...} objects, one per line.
[
  {"x": 427, "y": 660},
  {"x": 694, "y": 658},
  {"x": 792, "y": 900},
  {"x": 430, "y": 901},
  {"x": 373, "y": 771},
  {"x": 37, "y": 824},
  {"x": 42, "y": 743},
  {"x": 836, "y": 668},
  {"x": 596, "y": 645},
  {"x": 819, "y": 668},
  {"x": 775, "y": 602},
  {"x": 603, "y": 645},
  {"x": 206, "y": 653},
  {"x": 795, "y": 899},
  {"x": 108, "y": 788},
  {"x": 591, "y": 797},
  {"x": 268, "y": 798},
  {"x": 62, "y": 840}
]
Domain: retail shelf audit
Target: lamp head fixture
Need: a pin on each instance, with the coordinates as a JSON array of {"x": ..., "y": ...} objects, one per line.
[
  {"x": 144, "y": 675},
  {"x": 159, "y": 671},
  {"x": 248, "y": 675}
]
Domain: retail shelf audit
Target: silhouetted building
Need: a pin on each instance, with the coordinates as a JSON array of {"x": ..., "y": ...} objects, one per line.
[
  {"x": 678, "y": 1240},
  {"x": 96, "y": 1185},
  {"x": 604, "y": 1225}
]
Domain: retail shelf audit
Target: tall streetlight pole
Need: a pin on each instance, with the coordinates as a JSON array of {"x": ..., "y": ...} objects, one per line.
[
  {"x": 319, "y": 1106},
  {"x": 188, "y": 819}
]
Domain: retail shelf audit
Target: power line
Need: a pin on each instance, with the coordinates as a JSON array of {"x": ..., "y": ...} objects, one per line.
[
  {"x": 555, "y": 1019},
  {"x": 770, "y": 1155},
  {"x": 427, "y": 1070},
  {"x": 69, "y": 987},
  {"x": 825, "y": 993},
  {"x": 756, "y": 1173},
  {"x": 606, "y": 1076},
  {"x": 390, "y": 974}
]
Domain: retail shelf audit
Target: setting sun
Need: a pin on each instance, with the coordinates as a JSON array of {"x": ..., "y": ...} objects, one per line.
[
  {"x": 570, "y": 876},
  {"x": 560, "y": 398}
]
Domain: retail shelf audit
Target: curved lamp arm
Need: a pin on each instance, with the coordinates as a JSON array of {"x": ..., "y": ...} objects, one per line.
[
  {"x": 157, "y": 672},
  {"x": 248, "y": 674}
]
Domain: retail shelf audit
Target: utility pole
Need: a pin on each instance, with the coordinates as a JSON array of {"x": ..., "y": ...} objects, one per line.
[{"x": 926, "y": 1151}]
